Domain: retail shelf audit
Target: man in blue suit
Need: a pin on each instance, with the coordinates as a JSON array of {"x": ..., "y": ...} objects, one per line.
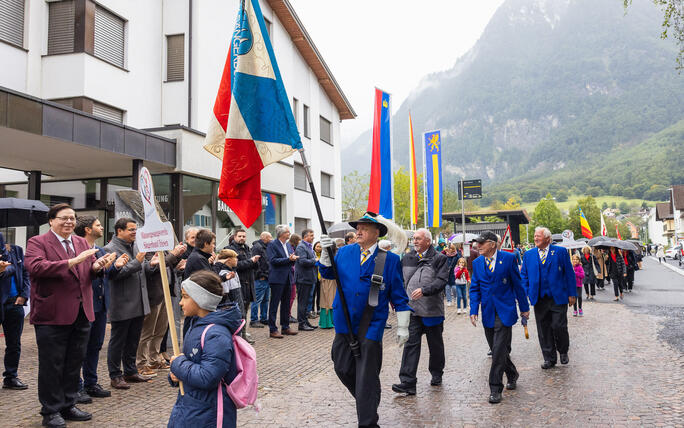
[
  {"x": 280, "y": 262},
  {"x": 14, "y": 292},
  {"x": 496, "y": 286},
  {"x": 549, "y": 279}
]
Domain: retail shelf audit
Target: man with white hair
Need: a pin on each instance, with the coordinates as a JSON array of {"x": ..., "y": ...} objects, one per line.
[
  {"x": 280, "y": 262},
  {"x": 549, "y": 279},
  {"x": 426, "y": 272}
]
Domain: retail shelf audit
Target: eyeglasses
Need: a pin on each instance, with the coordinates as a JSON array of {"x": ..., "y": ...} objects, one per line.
[{"x": 66, "y": 219}]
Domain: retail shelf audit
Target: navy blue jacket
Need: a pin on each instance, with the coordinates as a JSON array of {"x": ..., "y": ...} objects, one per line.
[
  {"x": 557, "y": 271},
  {"x": 498, "y": 291},
  {"x": 201, "y": 369},
  {"x": 305, "y": 266},
  {"x": 279, "y": 264},
  {"x": 100, "y": 288},
  {"x": 17, "y": 270}
]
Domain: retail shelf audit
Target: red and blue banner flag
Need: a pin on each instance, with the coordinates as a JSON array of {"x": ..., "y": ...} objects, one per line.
[
  {"x": 252, "y": 125},
  {"x": 380, "y": 192}
]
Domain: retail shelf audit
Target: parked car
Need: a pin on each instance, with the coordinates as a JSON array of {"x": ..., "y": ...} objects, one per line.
[{"x": 674, "y": 253}]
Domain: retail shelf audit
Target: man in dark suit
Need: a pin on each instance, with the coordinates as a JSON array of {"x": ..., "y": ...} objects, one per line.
[
  {"x": 62, "y": 267},
  {"x": 305, "y": 277},
  {"x": 247, "y": 264},
  {"x": 280, "y": 262},
  {"x": 549, "y": 278},
  {"x": 14, "y": 292},
  {"x": 496, "y": 286}
]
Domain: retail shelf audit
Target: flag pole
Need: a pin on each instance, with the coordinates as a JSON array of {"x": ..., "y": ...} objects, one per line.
[{"x": 353, "y": 342}]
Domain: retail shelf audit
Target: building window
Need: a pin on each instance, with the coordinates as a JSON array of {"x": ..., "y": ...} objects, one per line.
[
  {"x": 295, "y": 111},
  {"x": 307, "y": 131},
  {"x": 326, "y": 130},
  {"x": 107, "y": 112},
  {"x": 327, "y": 185},
  {"x": 12, "y": 22},
  {"x": 300, "y": 224},
  {"x": 175, "y": 58},
  {"x": 300, "y": 178},
  {"x": 110, "y": 36},
  {"x": 61, "y": 27}
]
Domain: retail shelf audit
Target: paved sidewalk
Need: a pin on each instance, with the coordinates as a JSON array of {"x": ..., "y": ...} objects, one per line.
[{"x": 620, "y": 374}]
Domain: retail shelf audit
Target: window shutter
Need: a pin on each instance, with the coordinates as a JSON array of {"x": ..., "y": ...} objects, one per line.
[
  {"x": 325, "y": 130},
  {"x": 307, "y": 132},
  {"x": 300, "y": 177},
  {"x": 175, "y": 57},
  {"x": 61, "y": 27},
  {"x": 109, "y": 37},
  {"x": 107, "y": 112},
  {"x": 326, "y": 185},
  {"x": 12, "y": 22}
]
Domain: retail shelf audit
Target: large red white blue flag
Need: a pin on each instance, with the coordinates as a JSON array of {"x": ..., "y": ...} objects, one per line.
[
  {"x": 252, "y": 124},
  {"x": 380, "y": 191}
]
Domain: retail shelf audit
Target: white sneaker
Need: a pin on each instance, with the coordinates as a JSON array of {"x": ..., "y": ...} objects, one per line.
[
  {"x": 448, "y": 303},
  {"x": 458, "y": 311}
]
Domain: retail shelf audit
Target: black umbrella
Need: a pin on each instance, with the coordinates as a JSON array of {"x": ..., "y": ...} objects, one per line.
[
  {"x": 338, "y": 230},
  {"x": 22, "y": 212},
  {"x": 597, "y": 240}
]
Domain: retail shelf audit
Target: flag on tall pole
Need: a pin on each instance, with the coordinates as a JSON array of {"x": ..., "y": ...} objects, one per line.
[
  {"x": 380, "y": 191},
  {"x": 433, "y": 170},
  {"x": 604, "y": 231},
  {"x": 413, "y": 176},
  {"x": 584, "y": 225},
  {"x": 617, "y": 232},
  {"x": 252, "y": 125}
]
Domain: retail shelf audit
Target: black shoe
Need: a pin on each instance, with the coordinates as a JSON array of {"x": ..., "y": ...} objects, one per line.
[
  {"x": 564, "y": 358},
  {"x": 512, "y": 384},
  {"x": 264, "y": 322},
  {"x": 548, "y": 364},
  {"x": 255, "y": 324},
  {"x": 312, "y": 326},
  {"x": 14, "y": 383},
  {"x": 97, "y": 391},
  {"x": 304, "y": 327},
  {"x": 54, "y": 420},
  {"x": 293, "y": 320},
  {"x": 73, "y": 413},
  {"x": 83, "y": 397},
  {"x": 489, "y": 353},
  {"x": 436, "y": 381},
  {"x": 495, "y": 397},
  {"x": 403, "y": 388}
]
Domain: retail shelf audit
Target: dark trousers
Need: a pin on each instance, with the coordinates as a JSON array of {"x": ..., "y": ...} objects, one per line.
[
  {"x": 579, "y": 299},
  {"x": 411, "y": 355},
  {"x": 95, "y": 341},
  {"x": 61, "y": 349},
  {"x": 600, "y": 283},
  {"x": 360, "y": 375},
  {"x": 280, "y": 295},
  {"x": 629, "y": 279},
  {"x": 123, "y": 346},
  {"x": 590, "y": 287},
  {"x": 499, "y": 340},
  {"x": 617, "y": 285},
  {"x": 552, "y": 327},
  {"x": 13, "y": 326},
  {"x": 303, "y": 294}
]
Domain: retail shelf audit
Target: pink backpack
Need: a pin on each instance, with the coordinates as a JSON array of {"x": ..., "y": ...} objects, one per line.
[{"x": 243, "y": 389}]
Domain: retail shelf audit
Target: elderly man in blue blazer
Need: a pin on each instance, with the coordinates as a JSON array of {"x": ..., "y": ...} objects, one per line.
[
  {"x": 549, "y": 278},
  {"x": 280, "y": 262},
  {"x": 496, "y": 286}
]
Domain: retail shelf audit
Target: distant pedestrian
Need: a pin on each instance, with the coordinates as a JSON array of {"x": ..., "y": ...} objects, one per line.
[
  {"x": 259, "y": 310},
  {"x": 630, "y": 267},
  {"x": 292, "y": 245},
  {"x": 462, "y": 279},
  {"x": 660, "y": 253},
  {"x": 452, "y": 260},
  {"x": 591, "y": 267},
  {"x": 281, "y": 259},
  {"x": 616, "y": 271},
  {"x": 350, "y": 238},
  {"x": 305, "y": 277},
  {"x": 579, "y": 279},
  {"x": 601, "y": 271}
]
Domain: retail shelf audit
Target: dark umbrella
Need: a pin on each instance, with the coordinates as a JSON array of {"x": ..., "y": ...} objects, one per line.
[
  {"x": 596, "y": 240},
  {"x": 338, "y": 230},
  {"x": 22, "y": 212}
]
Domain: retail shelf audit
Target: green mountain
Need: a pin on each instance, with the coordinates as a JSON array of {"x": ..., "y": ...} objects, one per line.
[{"x": 556, "y": 94}]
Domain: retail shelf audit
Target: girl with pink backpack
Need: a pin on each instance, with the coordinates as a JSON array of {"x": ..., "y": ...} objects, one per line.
[{"x": 208, "y": 363}]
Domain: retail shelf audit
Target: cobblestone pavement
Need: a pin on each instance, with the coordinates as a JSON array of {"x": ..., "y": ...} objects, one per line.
[{"x": 620, "y": 374}]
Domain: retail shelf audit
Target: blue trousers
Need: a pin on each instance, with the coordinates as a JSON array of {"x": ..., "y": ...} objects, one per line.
[
  {"x": 462, "y": 295},
  {"x": 450, "y": 291},
  {"x": 95, "y": 341},
  {"x": 263, "y": 292},
  {"x": 13, "y": 326}
]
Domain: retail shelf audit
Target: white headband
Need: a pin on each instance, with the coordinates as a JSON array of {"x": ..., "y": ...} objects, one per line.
[{"x": 204, "y": 299}]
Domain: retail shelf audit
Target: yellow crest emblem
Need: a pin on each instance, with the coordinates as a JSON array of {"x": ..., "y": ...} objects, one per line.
[
  {"x": 384, "y": 104},
  {"x": 434, "y": 142}
]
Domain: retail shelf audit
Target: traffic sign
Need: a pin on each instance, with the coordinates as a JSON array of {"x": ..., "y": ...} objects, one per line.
[{"x": 472, "y": 189}]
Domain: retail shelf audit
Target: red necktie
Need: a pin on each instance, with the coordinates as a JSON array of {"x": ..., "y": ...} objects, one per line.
[{"x": 70, "y": 252}]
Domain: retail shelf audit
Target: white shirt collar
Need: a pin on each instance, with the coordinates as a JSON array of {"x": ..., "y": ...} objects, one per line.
[
  {"x": 493, "y": 257},
  {"x": 61, "y": 240},
  {"x": 371, "y": 249}
]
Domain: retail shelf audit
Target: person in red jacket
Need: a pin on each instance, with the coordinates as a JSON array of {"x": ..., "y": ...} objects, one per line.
[{"x": 462, "y": 280}]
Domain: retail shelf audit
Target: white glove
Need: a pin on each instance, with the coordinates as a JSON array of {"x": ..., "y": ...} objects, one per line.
[
  {"x": 403, "y": 318},
  {"x": 326, "y": 242}
]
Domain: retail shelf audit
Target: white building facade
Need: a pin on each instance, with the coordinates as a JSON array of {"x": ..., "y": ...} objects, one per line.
[{"x": 90, "y": 91}]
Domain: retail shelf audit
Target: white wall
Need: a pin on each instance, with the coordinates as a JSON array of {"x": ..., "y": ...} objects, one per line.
[
  {"x": 655, "y": 229},
  {"x": 14, "y": 76}
]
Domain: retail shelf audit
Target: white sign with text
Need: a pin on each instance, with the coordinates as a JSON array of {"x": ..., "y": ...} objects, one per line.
[{"x": 155, "y": 235}]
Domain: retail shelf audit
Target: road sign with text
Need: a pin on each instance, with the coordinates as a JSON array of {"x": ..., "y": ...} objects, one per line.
[{"x": 472, "y": 189}]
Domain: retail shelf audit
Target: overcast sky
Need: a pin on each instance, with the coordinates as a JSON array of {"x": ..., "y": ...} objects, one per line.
[{"x": 390, "y": 44}]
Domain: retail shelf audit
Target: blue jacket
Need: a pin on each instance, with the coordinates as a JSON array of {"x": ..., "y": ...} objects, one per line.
[
  {"x": 497, "y": 291},
  {"x": 100, "y": 288},
  {"x": 305, "y": 266},
  {"x": 279, "y": 264},
  {"x": 16, "y": 270},
  {"x": 355, "y": 280},
  {"x": 558, "y": 271},
  {"x": 200, "y": 370}
]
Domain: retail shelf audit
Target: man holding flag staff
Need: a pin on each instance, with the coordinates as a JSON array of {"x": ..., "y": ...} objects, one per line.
[
  {"x": 368, "y": 290},
  {"x": 496, "y": 285}
]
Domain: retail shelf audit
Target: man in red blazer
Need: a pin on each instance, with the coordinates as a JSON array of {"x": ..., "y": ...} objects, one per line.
[{"x": 61, "y": 266}]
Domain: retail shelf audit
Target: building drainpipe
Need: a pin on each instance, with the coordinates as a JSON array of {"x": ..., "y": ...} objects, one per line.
[{"x": 190, "y": 64}]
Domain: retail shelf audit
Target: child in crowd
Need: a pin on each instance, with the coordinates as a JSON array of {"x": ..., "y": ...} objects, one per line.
[
  {"x": 462, "y": 280},
  {"x": 579, "y": 277},
  {"x": 226, "y": 262},
  {"x": 452, "y": 260},
  {"x": 202, "y": 366}
]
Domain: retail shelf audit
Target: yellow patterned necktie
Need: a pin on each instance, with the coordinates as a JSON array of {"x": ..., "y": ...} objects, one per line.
[
  {"x": 365, "y": 255},
  {"x": 490, "y": 265},
  {"x": 542, "y": 255}
]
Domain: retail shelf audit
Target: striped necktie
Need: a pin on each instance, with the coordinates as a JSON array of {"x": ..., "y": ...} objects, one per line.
[
  {"x": 365, "y": 255},
  {"x": 542, "y": 255},
  {"x": 490, "y": 265}
]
